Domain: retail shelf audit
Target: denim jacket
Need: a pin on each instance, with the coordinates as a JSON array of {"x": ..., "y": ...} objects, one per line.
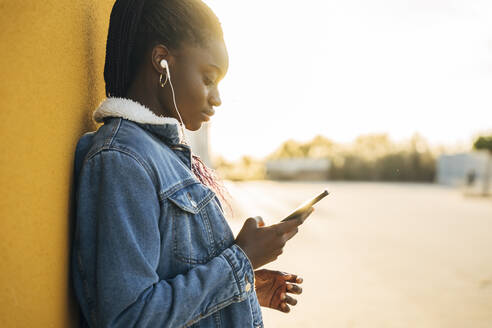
[{"x": 151, "y": 245}]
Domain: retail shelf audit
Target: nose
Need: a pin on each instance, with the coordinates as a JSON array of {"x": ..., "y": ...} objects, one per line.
[{"x": 214, "y": 98}]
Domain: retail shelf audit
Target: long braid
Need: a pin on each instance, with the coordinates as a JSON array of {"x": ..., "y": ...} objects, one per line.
[
  {"x": 209, "y": 177},
  {"x": 124, "y": 23}
]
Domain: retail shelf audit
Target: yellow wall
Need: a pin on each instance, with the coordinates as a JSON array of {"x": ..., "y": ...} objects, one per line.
[{"x": 51, "y": 78}]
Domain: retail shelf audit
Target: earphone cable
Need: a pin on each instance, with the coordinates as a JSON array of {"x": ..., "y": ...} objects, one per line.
[{"x": 176, "y": 107}]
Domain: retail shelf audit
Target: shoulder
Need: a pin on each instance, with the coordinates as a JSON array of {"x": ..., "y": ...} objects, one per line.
[{"x": 141, "y": 146}]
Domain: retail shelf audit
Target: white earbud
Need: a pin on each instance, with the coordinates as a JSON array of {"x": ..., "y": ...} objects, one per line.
[{"x": 165, "y": 65}]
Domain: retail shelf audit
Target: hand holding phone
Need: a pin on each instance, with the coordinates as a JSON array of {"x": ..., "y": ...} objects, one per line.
[
  {"x": 262, "y": 244},
  {"x": 306, "y": 206}
]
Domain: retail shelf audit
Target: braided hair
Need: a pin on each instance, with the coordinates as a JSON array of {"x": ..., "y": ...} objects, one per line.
[{"x": 135, "y": 26}]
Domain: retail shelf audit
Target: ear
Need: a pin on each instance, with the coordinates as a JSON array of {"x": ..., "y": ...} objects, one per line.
[{"x": 160, "y": 52}]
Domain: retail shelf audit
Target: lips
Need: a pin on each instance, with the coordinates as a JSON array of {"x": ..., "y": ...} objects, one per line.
[{"x": 209, "y": 112}]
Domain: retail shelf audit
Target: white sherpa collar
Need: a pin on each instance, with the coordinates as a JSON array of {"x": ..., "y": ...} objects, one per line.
[{"x": 133, "y": 111}]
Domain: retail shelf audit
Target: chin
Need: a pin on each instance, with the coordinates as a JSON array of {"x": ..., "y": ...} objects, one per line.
[{"x": 194, "y": 126}]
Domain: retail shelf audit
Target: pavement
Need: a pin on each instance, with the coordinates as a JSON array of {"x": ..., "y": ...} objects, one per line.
[{"x": 380, "y": 254}]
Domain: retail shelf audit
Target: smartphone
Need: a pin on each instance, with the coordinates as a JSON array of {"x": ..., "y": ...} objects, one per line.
[{"x": 306, "y": 205}]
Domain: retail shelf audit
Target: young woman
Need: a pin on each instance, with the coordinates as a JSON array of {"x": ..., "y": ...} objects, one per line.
[{"x": 152, "y": 247}]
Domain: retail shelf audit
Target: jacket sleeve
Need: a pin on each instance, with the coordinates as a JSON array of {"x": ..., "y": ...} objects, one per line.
[{"x": 118, "y": 206}]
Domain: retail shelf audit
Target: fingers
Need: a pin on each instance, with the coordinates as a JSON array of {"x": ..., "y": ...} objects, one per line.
[
  {"x": 286, "y": 300},
  {"x": 250, "y": 222},
  {"x": 259, "y": 221},
  {"x": 291, "y": 234},
  {"x": 289, "y": 277},
  {"x": 254, "y": 222},
  {"x": 286, "y": 230},
  {"x": 290, "y": 300},
  {"x": 293, "y": 278},
  {"x": 288, "y": 226},
  {"x": 294, "y": 289}
]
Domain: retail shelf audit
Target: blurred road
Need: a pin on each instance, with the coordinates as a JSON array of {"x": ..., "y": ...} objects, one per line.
[{"x": 377, "y": 255}]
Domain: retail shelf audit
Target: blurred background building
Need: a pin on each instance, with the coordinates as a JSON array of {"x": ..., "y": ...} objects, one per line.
[
  {"x": 298, "y": 169},
  {"x": 473, "y": 170}
]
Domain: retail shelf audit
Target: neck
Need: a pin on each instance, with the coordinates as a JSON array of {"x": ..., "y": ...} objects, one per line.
[{"x": 146, "y": 94}]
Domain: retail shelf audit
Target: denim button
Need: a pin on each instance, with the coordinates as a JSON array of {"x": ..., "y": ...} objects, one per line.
[
  {"x": 248, "y": 285},
  {"x": 193, "y": 203}
]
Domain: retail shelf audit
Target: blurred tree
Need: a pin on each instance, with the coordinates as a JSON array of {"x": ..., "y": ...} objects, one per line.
[
  {"x": 321, "y": 147},
  {"x": 289, "y": 149},
  {"x": 247, "y": 168},
  {"x": 369, "y": 157},
  {"x": 373, "y": 146},
  {"x": 485, "y": 143}
]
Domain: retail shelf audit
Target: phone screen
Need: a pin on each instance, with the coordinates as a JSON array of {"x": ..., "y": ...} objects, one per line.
[{"x": 304, "y": 206}]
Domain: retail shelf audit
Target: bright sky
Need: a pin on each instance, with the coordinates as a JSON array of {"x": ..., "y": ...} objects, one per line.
[{"x": 342, "y": 68}]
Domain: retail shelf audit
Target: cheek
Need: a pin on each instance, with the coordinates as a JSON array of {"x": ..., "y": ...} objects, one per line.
[
  {"x": 192, "y": 94},
  {"x": 199, "y": 93}
]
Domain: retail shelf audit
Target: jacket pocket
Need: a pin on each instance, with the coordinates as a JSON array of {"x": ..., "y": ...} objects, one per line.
[{"x": 193, "y": 239}]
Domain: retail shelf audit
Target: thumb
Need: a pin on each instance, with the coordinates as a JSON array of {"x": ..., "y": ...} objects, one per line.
[{"x": 253, "y": 222}]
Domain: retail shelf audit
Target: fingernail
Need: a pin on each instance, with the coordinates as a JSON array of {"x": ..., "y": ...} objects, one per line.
[
  {"x": 282, "y": 296},
  {"x": 299, "y": 279}
]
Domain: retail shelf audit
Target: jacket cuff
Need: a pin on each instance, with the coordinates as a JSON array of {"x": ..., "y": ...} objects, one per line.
[{"x": 242, "y": 269}]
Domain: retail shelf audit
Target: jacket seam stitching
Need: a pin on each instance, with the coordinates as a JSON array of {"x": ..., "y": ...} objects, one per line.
[
  {"x": 234, "y": 273},
  {"x": 212, "y": 310},
  {"x": 115, "y": 130},
  {"x": 129, "y": 154},
  {"x": 199, "y": 207},
  {"x": 206, "y": 220},
  {"x": 217, "y": 318},
  {"x": 177, "y": 186},
  {"x": 247, "y": 258}
]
